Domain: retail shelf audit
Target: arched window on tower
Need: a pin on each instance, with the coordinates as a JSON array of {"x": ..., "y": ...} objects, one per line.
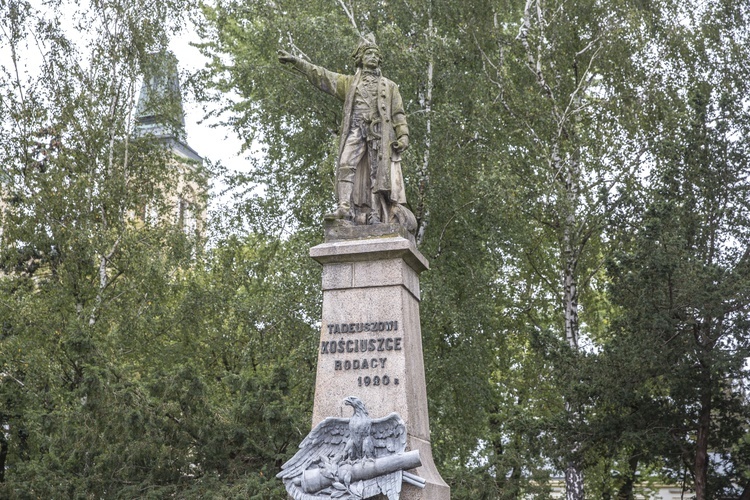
[{"x": 188, "y": 213}]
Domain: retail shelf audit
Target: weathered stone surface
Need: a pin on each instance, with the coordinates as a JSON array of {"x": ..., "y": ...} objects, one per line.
[
  {"x": 386, "y": 272},
  {"x": 391, "y": 245},
  {"x": 341, "y": 230},
  {"x": 371, "y": 342}
]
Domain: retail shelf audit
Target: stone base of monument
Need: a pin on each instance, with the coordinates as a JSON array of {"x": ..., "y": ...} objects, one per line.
[{"x": 371, "y": 340}]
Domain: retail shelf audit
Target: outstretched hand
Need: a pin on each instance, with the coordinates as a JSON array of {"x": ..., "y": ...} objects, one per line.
[{"x": 285, "y": 57}]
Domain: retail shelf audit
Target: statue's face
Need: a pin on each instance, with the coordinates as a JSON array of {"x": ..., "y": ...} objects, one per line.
[{"x": 371, "y": 58}]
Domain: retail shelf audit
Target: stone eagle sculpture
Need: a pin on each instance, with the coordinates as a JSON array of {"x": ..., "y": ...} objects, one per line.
[{"x": 352, "y": 458}]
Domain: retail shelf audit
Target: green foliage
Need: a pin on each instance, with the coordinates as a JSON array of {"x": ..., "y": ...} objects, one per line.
[
  {"x": 530, "y": 123},
  {"x": 132, "y": 363},
  {"x": 681, "y": 280},
  {"x": 579, "y": 175}
]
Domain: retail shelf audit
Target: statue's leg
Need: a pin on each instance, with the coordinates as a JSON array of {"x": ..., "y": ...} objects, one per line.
[
  {"x": 344, "y": 188},
  {"x": 354, "y": 150}
]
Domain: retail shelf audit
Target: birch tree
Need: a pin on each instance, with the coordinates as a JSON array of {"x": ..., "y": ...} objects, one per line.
[{"x": 559, "y": 79}]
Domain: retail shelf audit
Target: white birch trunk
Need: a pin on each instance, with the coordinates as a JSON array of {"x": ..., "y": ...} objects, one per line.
[{"x": 423, "y": 171}]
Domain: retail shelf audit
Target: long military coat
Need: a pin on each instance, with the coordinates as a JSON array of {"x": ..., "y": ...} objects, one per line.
[{"x": 389, "y": 180}]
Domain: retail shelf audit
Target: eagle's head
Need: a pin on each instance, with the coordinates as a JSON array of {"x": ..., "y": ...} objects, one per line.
[{"x": 357, "y": 404}]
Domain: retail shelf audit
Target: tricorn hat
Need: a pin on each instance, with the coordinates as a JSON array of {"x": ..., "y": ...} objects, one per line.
[{"x": 366, "y": 42}]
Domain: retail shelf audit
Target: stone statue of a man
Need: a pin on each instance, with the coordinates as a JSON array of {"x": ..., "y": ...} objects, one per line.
[{"x": 370, "y": 186}]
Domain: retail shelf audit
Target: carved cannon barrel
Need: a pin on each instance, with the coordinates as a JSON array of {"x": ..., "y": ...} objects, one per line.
[{"x": 314, "y": 481}]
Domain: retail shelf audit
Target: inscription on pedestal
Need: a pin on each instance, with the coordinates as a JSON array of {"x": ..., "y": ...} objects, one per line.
[{"x": 362, "y": 352}]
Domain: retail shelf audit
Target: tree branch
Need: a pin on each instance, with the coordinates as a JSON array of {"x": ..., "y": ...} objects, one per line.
[
  {"x": 350, "y": 14},
  {"x": 103, "y": 280}
]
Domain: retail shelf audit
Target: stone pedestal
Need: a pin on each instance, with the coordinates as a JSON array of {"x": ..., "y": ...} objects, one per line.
[{"x": 370, "y": 339}]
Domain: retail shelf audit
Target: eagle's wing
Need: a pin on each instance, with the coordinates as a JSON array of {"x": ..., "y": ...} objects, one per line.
[
  {"x": 389, "y": 435},
  {"x": 326, "y": 439}
]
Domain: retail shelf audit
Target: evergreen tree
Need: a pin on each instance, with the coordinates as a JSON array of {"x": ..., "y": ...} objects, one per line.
[{"x": 682, "y": 284}]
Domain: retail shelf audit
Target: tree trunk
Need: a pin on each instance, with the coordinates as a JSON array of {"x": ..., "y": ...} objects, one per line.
[
  {"x": 3, "y": 454},
  {"x": 701, "y": 445},
  {"x": 746, "y": 492},
  {"x": 573, "y": 472},
  {"x": 570, "y": 298},
  {"x": 570, "y": 251},
  {"x": 573, "y": 482},
  {"x": 626, "y": 489},
  {"x": 423, "y": 170}
]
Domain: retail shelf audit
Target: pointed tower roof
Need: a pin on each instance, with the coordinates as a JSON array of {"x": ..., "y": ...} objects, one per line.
[{"x": 159, "y": 112}]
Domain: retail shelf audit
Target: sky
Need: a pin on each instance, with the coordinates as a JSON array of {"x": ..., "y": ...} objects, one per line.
[{"x": 216, "y": 143}]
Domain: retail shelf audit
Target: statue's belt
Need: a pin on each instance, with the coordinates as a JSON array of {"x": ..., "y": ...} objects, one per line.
[
  {"x": 370, "y": 127},
  {"x": 373, "y": 132}
]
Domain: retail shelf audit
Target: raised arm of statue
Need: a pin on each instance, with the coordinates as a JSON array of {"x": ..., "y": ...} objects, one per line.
[{"x": 329, "y": 82}]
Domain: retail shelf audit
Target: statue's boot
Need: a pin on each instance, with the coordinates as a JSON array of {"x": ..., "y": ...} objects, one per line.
[{"x": 344, "y": 189}]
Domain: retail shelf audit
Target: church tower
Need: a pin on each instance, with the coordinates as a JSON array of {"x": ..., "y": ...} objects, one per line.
[{"x": 160, "y": 116}]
